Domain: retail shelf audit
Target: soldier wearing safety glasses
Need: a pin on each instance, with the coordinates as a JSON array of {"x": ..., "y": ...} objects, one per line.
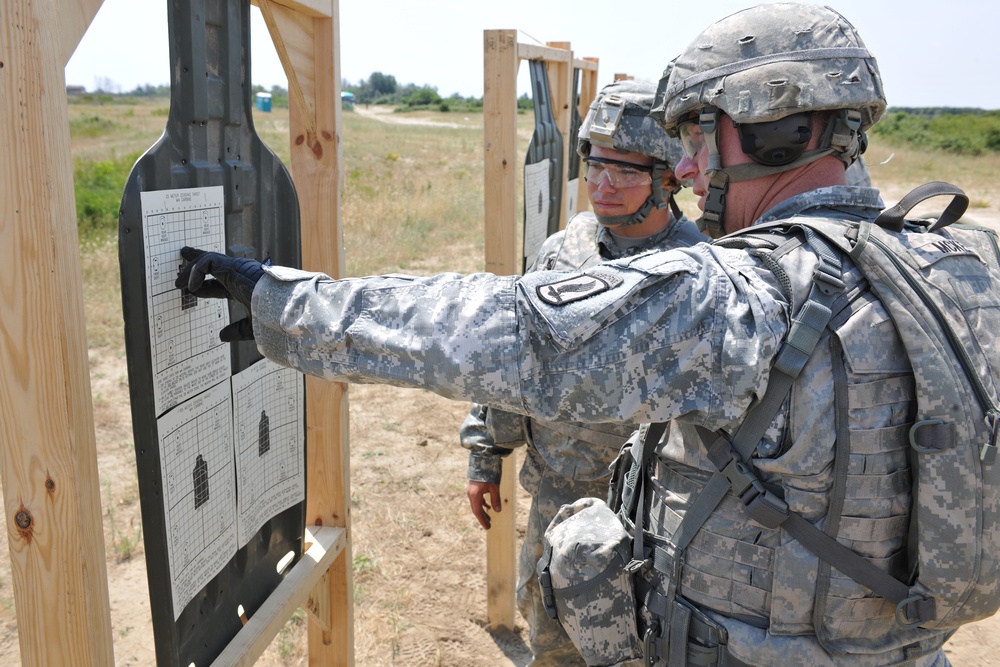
[{"x": 630, "y": 183}]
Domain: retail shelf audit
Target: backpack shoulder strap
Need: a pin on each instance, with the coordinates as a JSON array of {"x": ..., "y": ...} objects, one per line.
[{"x": 732, "y": 457}]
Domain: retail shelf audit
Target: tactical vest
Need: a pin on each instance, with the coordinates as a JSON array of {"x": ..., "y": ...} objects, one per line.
[{"x": 837, "y": 453}]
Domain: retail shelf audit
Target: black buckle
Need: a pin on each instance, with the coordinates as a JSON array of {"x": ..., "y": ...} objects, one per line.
[
  {"x": 913, "y": 603},
  {"x": 740, "y": 478},
  {"x": 649, "y": 644},
  {"x": 548, "y": 597},
  {"x": 763, "y": 507}
]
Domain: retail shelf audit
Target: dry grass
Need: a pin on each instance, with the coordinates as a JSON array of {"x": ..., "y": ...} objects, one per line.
[{"x": 898, "y": 169}]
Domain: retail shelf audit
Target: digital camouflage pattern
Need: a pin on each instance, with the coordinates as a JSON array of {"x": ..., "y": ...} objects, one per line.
[
  {"x": 858, "y": 174},
  {"x": 564, "y": 462},
  {"x": 494, "y": 340},
  {"x": 619, "y": 118},
  {"x": 955, "y": 544},
  {"x": 687, "y": 335},
  {"x": 581, "y": 452},
  {"x": 747, "y": 577},
  {"x": 583, "y": 569},
  {"x": 549, "y": 643},
  {"x": 774, "y": 60}
]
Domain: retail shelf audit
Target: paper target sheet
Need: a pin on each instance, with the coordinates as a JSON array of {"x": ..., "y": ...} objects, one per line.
[
  {"x": 536, "y": 207},
  {"x": 572, "y": 195},
  {"x": 270, "y": 443},
  {"x": 199, "y": 494},
  {"x": 188, "y": 356}
]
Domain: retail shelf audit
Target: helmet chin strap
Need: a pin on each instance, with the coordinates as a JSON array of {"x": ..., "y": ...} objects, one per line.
[
  {"x": 712, "y": 221},
  {"x": 653, "y": 201}
]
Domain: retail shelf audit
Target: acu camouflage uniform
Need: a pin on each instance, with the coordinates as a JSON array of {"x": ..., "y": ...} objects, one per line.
[
  {"x": 564, "y": 461},
  {"x": 687, "y": 335}
]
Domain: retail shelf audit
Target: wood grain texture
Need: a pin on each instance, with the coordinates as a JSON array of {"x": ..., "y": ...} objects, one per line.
[
  {"x": 500, "y": 64},
  {"x": 324, "y": 545},
  {"x": 312, "y": 50},
  {"x": 47, "y": 443}
]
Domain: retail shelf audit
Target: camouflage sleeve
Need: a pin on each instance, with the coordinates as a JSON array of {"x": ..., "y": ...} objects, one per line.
[
  {"x": 489, "y": 435},
  {"x": 484, "y": 456},
  {"x": 689, "y": 332}
]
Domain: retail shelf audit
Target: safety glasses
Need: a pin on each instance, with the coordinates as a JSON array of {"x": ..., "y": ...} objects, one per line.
[
  {"x": 691, "y": 135},
  {"x": 619, "y": 174}
]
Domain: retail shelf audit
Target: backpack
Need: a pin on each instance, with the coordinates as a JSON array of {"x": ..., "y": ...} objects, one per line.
[{"x": 940, "y": 284}]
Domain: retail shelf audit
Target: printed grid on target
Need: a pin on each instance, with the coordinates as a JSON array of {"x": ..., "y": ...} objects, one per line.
[
  {"x": 269, "y": 444},
  {"x": 183, "y": 326},
  {"x": 198, "y": 497}
]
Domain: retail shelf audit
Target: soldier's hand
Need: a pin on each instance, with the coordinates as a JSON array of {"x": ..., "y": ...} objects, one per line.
[
  {"x": 477, "y": 492},
  {"x": 234, "y": 277}
]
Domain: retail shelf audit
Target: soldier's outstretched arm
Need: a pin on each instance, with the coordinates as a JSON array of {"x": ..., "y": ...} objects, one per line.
[{"x": 644, "y": 339}]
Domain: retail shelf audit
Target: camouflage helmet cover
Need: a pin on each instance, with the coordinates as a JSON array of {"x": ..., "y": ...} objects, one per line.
[
  {"x": 619, "y": 118},
  {"x": 772, "y": 61}
]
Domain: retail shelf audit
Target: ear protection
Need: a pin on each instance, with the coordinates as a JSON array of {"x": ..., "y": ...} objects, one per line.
[{"x": 777, "y": 142}]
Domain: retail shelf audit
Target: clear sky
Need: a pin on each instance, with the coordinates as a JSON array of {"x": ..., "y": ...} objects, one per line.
[{"x": 930, "y": 53}]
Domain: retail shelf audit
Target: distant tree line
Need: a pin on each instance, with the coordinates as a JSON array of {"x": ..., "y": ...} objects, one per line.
[
  {"x": 382, "y": 88},
  {"x": 963, "y": 131}
]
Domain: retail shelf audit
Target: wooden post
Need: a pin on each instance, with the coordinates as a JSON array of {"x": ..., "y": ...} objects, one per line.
[
  {"x": 588, "y": 91},
  {"x": 500, "y": 137},
  {"x": 47, "y": 444},
  {"x": 306, "y": 37}
]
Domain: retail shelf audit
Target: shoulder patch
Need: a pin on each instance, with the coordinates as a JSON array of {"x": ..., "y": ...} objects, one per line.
[{"x": 575, "y": 288}]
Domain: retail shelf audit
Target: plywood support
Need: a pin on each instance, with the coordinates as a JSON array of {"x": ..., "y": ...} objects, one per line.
[
  {"x": 501, "y": 57},
  {"x": 323, "y": 545},
  {"x": 310, "y": 53},
  {"x": 47, "y": 445}
]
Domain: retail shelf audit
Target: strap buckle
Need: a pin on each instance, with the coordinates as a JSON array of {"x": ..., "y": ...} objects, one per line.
[
  {"x": 762, "y": 506},
  {"x": 548, "y": 596},
  {"x": 649, "y": 641},
  {"x": 901, "y": 611}
]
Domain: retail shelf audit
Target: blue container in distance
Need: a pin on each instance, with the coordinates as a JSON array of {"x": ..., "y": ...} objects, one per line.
[{"x": 263, "y": 102}]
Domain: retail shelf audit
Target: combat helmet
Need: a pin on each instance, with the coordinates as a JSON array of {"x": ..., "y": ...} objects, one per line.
[
  {"x": 768, "y": 68},
  {"x": 619, "y": 118}
]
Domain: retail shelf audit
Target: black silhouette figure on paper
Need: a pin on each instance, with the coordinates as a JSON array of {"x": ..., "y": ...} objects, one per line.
[
  {"x": 263, "y": 434},
  {"x": 200, "y": 482}
]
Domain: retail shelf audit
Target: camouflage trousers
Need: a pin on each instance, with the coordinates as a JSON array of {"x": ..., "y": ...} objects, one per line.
[{"x": 549, "y": 491}]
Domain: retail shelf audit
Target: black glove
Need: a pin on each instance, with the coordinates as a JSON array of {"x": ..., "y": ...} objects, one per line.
[
  {"x": 238, "y": 330},
  {"x": 235, "y": 277}
]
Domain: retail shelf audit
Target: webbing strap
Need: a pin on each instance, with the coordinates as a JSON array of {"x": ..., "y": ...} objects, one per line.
[
  {"x": 803, "y": 335},
  {"x": 635, "y": 487},
  {"x": 892, "y": 218},
  {"x": 910, "y": 610},
  {"x": 680, "y": 624}
]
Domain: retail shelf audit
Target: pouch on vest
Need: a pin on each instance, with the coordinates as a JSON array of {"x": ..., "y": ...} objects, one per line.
[{"x": 585, "y": 584}]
